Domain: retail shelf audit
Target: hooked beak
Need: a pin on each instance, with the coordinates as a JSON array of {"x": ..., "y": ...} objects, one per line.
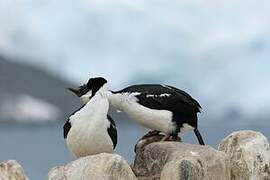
[{"x": 79, "y": 91}]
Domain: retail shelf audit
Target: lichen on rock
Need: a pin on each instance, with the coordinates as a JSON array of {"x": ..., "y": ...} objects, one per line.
[
  {"x": 12, "y": 170},
  {"x": 249, "y": 152},
  {"x": 174, "y": 160},
  {"x": 99, "y": 167},
  {"x": 243, "y": 155}
]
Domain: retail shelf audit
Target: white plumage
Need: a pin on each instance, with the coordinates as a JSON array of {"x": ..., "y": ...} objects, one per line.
[
  {"x": 89, "y": 127},
  {"x": 127, "y": 102},
  {"x": 159, "y": 107}
]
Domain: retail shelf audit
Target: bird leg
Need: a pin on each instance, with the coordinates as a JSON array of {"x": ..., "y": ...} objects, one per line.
[
  {"x": 151, "y": 133},
  {"x": 154, "y": 136},
  {"x": 166, "y": 137},
  {"x": 199, "y": 136},
  {"x": 175, "y": 137}
]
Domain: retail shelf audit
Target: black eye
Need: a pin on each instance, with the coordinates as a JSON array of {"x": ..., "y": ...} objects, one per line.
[{"x": 83, "y": 89}]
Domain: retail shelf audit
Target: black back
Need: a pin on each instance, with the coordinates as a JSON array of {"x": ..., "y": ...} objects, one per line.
[
  {"x": 112, "y": 131},
  {"x": 164, "y": 97},
  {"x": 177, "y": 101}
]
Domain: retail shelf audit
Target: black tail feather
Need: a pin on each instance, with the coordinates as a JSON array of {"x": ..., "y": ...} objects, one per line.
[{"x": 199, "y": 137}]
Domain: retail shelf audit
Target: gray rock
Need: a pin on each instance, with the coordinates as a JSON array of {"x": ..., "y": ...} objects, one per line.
[
  {"x": 174, "y": 160},
  {"x": 249, "y": 152},
  {"x": 12, "y": 170},
  {"x": 186, "y": 168},
  {"x": 98, "y": 167}
]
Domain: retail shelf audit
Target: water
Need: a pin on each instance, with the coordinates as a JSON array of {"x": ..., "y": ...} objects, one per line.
[{"x": 40, "y": 148}]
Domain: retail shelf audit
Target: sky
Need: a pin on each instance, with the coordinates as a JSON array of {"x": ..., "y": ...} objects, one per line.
[{"x": 216, "y": 50}]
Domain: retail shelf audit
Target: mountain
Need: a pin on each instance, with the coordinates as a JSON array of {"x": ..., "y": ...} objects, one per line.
[
  {"x": 30, "y": 94},
  {"x": 220, "y": 57}
]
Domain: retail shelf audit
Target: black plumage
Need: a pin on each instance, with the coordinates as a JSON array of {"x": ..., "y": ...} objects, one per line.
[
  {"x": 67, "y": 125},
  {"x": 66, "y": 128},
  {"x": 112, "y": 131},
  {"x": 172, "y": 99},
  {"x": 164, "y": 97}
]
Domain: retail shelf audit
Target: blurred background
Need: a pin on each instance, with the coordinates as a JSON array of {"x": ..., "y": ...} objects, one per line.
[{"x": 218, "y": 51}]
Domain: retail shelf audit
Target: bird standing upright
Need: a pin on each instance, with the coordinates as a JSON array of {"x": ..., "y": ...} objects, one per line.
[
  {"x": 161, "y": 108},
  {"x": 89, "y": 130}
]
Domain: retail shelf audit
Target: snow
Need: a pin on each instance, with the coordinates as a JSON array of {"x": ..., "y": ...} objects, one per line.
[
  {"x": 26, "y": 108},
  {"x": 218, "y": 51}
]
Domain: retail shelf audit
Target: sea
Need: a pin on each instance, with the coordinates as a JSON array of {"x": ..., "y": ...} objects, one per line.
[{"x": 39, "y": 148}]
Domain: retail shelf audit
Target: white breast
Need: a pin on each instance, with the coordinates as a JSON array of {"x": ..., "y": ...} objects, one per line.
[
  {"x": 154, "y": 119},
  {"x": 88, "y": 134}
]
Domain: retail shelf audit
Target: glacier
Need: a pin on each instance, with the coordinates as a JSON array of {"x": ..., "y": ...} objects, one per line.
[{"x": 216, "y": 50}]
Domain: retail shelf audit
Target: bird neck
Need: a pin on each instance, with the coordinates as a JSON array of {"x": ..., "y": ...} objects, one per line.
[
  {"x": 97, "y": 106},
  {"x": 103, "y": 91},
  {"x": 116, "y": 99}
]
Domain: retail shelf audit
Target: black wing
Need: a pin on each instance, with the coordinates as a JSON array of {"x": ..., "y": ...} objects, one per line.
[
  {"x": 112, "y": 131},
  {"x": 196, "y": 103},
  {"x": 164, "y": 98},
  {"x": 67, "y": 125},
  {"x": 66, "y": 128}
]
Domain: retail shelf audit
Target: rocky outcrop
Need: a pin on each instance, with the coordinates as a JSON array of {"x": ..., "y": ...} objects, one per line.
[
  {"x": 243, "y": 155},
  {"x": 12, "y": 170},
  {"x": 98, "y": 167},
  {"x": 173, "y": 160},
  {"x": 249, "y": 153}
]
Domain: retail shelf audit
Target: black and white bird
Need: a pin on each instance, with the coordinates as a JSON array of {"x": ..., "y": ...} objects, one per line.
[
  {"x": 90, "y": 130},
  {"x": 161, "y": 108}
]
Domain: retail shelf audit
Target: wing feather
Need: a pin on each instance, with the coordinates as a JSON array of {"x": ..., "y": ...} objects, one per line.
[
  {"x": 112, "y": 131},
  {"x": 164, "y": 97}
]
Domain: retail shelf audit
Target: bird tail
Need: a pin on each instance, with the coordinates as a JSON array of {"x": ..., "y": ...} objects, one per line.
[{"x": 199, "y": 137}]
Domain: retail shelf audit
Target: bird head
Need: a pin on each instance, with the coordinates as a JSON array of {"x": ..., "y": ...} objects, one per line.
[{"x": 87, "y": 91}]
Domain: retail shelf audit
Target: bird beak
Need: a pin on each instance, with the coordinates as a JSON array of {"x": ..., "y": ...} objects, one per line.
[
  {"x": 76, "y": 91},
  {"x": 79, "y": 91}
]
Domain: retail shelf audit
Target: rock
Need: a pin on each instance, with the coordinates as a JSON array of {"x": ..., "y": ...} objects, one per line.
[
  {"x": 98, "y": 167},
  {"x": 186, "y": 168},
  {"x": 249, "y": 152},
  {"x": 12, "y": 170},
  {"x": 174, "y": 160}
]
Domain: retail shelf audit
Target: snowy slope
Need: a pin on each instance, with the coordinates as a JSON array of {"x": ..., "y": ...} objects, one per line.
[
  {"x": 29, "y": 94},
  {"x": 216, "y": 50},
  {"x": 26, "y": 109}
]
